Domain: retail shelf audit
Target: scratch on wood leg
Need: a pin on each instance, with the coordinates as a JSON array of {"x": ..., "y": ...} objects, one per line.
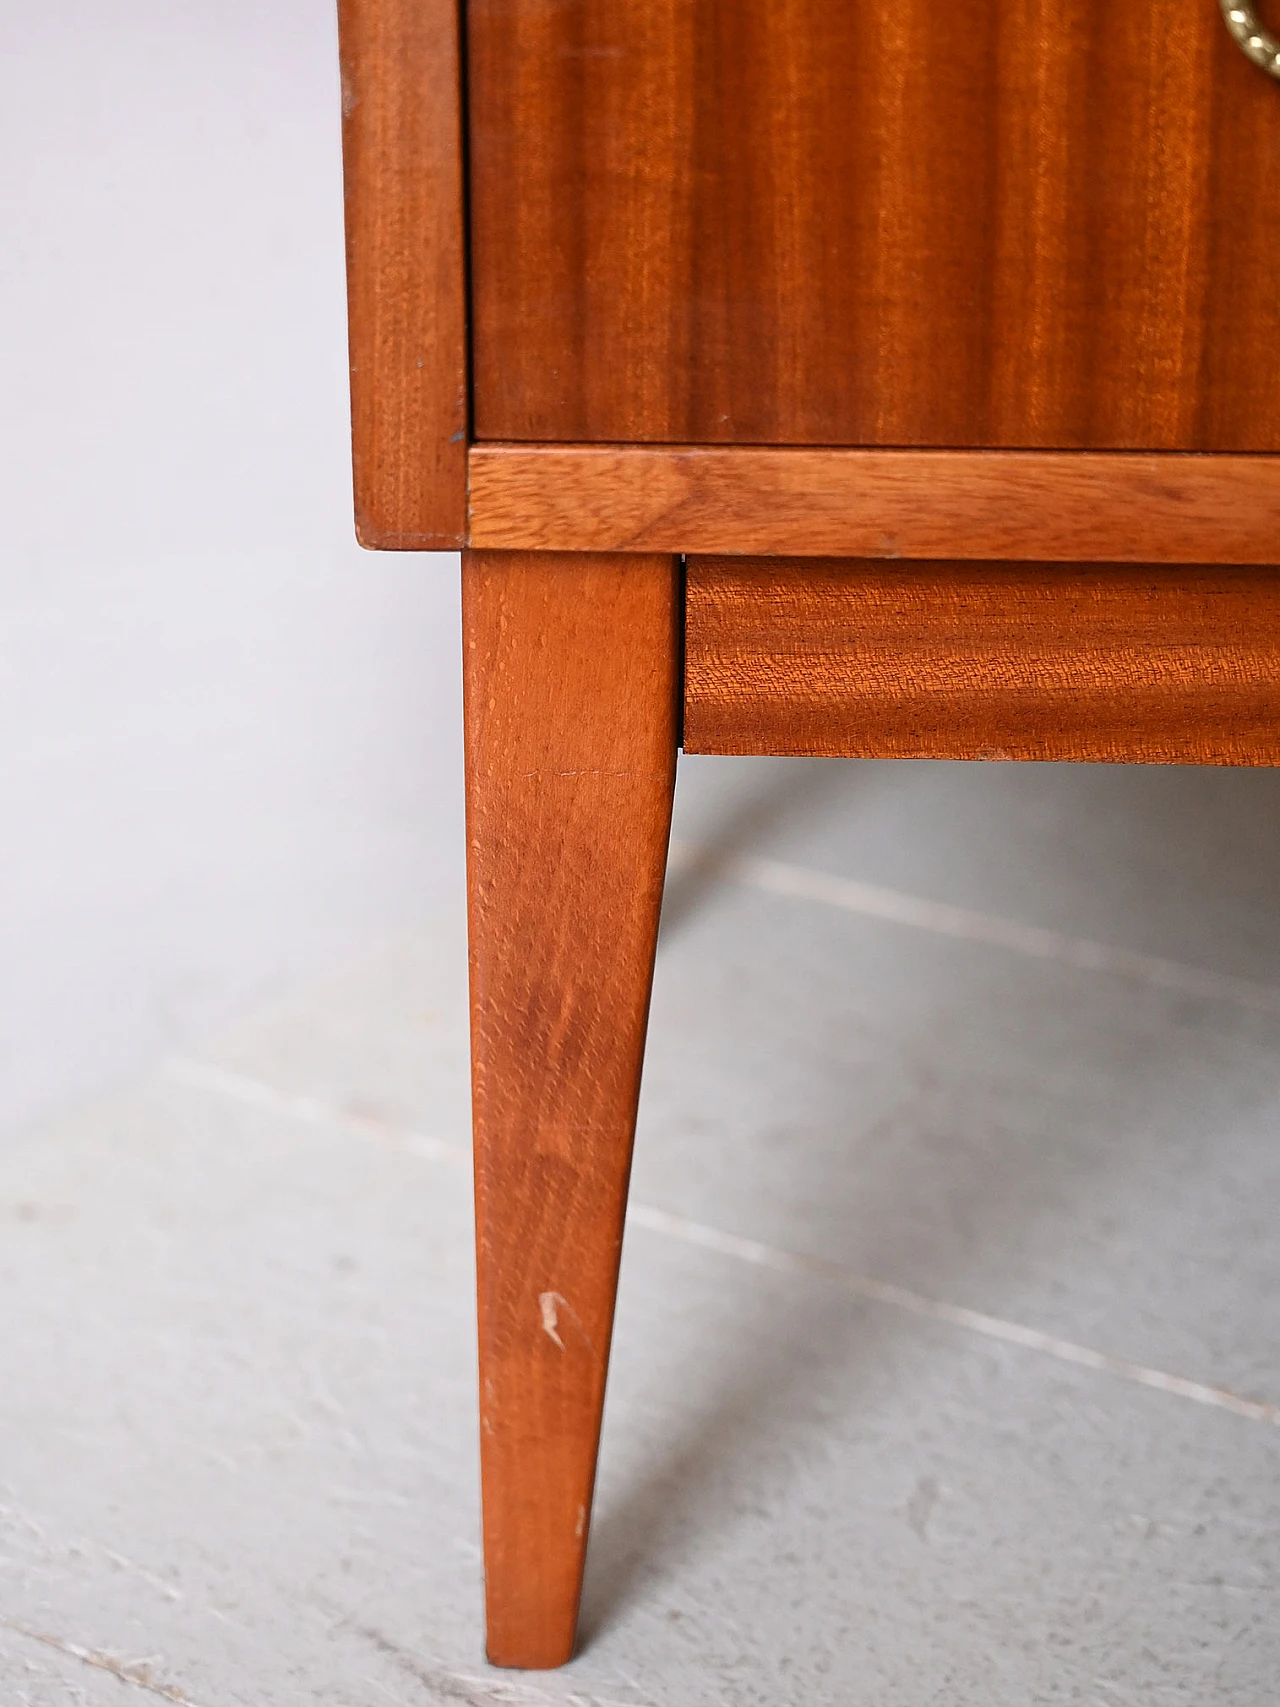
[{"x": 547, "y": 1303}]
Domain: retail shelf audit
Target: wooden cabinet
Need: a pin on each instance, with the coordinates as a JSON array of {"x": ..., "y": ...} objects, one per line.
[
  {"x": 1001, "y": 225},
  {"x": 840, "y": 376}
]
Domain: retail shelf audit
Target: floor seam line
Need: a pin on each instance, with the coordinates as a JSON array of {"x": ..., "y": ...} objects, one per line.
[
  {"x": 956, "y": 1315},
  {"x": 967, "y": 924},
  {"x": 256, "y": 1093},
  {"x": 124, "y": 1671}
]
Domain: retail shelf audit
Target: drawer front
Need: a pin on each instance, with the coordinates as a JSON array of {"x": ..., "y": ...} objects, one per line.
[
  {"x": 991, "y": 223},
  {"x": 1105, "y": 661}
]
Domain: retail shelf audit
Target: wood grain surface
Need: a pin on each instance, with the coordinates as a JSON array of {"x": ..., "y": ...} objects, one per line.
[
  {"x": 571, "y": 692},
  {"x": 1040, "y": 223},
  {"x": 1058, "y": 506},
  {"x": 406, "y": 283},
  {"x": 969, "y": 661}
]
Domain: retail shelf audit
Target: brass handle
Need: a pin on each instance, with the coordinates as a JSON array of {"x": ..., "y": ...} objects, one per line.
[{"x": 1253, "y": 41}]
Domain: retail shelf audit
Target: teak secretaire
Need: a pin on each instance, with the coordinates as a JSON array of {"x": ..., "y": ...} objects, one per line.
[{"x": 876, "y": 378}]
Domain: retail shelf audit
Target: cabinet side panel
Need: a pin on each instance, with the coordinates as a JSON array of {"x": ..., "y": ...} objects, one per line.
[{"x": 406, "y": 275}]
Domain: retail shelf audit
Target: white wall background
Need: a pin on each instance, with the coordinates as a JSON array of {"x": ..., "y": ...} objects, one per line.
[{"x": 229, "y": 739}]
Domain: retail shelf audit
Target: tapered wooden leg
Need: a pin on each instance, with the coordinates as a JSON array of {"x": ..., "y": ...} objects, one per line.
[{"x": 571, "y": 683}]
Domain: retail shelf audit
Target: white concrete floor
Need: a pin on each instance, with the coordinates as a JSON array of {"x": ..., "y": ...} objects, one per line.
[
  {"x": 946, "y": 1366},
  {"x": 947, "y": 1350}
]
